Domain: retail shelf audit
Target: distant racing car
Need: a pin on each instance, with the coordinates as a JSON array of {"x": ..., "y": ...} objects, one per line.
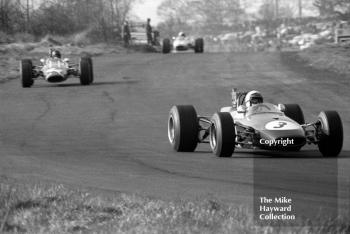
[
  {"x": 183, "y": 43},
  {"x": 54, "y": 69},
  {"x": 251, "y": 123}
]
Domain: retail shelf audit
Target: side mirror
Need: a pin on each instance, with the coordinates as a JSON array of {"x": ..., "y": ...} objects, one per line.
[
  {"x": 241, "y": 109},
  {"x": 66, "y": 60},
  {"x": 42, "y": 60}
]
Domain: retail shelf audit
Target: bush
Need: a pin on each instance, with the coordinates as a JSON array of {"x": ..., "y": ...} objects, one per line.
[
  {"x": 5, "y": 38},
  {"x": 23, "y": 37}
]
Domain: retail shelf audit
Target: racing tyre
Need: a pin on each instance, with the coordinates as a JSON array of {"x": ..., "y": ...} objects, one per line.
[
  {"x": 86, "y": 75},
  {"x": 166, "y": 46},
  {"x": 183, "y": 128},
  {"x": 294, "y": 112},
  {"x": 199, "y": 45},
  {"x": 91, "y": 70},
  {"x": 27, "y": 73},
  {"x": 222, "y": 134},
  {"x": 330, "y": 133}
]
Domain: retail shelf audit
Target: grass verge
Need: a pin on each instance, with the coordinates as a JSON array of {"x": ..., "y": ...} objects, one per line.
[
  {"x": 44, "y": 208},
  {"x": 331, "y": 57}
]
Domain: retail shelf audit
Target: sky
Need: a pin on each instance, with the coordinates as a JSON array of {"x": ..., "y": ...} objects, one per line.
[{"x": 147, "y": 9}]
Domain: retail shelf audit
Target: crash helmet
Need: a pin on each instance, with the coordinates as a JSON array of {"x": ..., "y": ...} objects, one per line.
[
  {"x": 253, "y": 98},
  {"x": 55, "y": 54},
  {"x": 182, "y": 34}
]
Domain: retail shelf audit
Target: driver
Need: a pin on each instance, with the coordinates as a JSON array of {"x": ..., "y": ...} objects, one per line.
[
  {"x": 182, "y": 34},
  {"x": 253, "y": 98},
  {"x": 55, "y": 54}
]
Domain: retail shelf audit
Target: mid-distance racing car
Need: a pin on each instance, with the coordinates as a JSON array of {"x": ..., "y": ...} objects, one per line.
[
  {"x": 183, "y": 43},
  {"x": 251, "y": 123},
  {"x": 54, "y": 69}
]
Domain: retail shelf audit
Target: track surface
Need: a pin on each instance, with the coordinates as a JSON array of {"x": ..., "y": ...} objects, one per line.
[{"x": 113, "y": 135}]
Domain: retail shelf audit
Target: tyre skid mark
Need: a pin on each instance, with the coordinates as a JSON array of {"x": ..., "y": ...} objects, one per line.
[
  {"x": 46, "y": 111},
  {"x": 110, "y": 99},
  {"x": 37, "y": 119}
]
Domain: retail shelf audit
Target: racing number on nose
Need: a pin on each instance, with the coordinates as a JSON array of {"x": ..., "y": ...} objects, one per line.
[{"x": 280, "y": 125}]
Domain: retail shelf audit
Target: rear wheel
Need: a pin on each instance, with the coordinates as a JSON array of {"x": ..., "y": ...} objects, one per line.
[
  {"x": 222, "y": 134},
  {"x": 27, "y": 73},
  {"x": 199, "y": 45},
  {"x": 86, "y": 76},
  {"x": 294, "y": 112},
  {"x": 330, "y": 133},
  {"x": 183, "y": 128},
  {"x": 166, "y": 46}
]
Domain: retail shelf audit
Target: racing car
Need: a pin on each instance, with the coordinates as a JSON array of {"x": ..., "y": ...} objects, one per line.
[
  {"x": 183, "y": 43},
  {"x": 54, "y": 69},
  {"x": 252, "y": 124}
]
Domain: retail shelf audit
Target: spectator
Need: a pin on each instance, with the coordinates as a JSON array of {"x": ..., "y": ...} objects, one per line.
[
  {"x": 156, "y": 35},
  {"x": 149, "y": 32},
  {"x": 126, "y": 34}
]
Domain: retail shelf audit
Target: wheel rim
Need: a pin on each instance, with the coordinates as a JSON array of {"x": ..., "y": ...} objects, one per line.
[
  {"x": 171, "y": 129},
  {"x": 213, "y": 137}
]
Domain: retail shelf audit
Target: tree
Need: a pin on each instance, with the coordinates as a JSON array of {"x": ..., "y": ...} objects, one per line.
[
  {"x": 334, "y": 8},
  {"x": 209, "y": 15},
  {"x": 11, "y": 16},
  {"x": 103, "y": 18},
  {"x": 325, "y": 7},
  {"x": 267, "y": 11}
]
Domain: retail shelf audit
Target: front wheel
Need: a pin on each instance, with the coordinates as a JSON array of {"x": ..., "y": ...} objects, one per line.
[
  {"x": 26, "y": 73},
  {"x": 166, "y": 46},
  {"x": 86, "y": 75},
  {"x": 183, "y": 128},
  {"x": 222, "y": 134},
  {"x": 330, "y": 133},
  {"x": 199, "y": 45}
]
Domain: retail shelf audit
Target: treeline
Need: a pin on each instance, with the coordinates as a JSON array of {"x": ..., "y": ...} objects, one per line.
[
  {"x": 198, "y": 15},
  {"x": 215, "y": 16},
  {"x": 103, "y": 18}
]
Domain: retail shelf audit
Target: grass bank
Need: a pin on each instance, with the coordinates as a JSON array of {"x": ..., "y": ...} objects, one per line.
[
  {"x": 54, "y": 208},
  {"x": 58, "y": 209},
  {"x": 330, "y": 57}
]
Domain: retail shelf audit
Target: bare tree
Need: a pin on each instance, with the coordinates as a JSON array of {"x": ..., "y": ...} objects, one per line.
[
  {"x": 102, "y": 18},
  {"x": 334, "y": 8},
  {"x": 325, "y": 7},
  {"x": 206, "y": 15}
]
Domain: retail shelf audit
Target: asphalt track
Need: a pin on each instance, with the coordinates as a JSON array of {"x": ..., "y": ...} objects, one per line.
[{"x": 112, "y": 135}]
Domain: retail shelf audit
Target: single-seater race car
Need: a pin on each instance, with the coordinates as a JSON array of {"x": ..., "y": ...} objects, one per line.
[
  {"x": 54, "y": 69},
  {"x": 183, "y": 43},
  {"x": 251, "y": 123}
]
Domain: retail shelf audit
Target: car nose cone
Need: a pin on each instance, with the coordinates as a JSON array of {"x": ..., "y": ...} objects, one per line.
[{"x": 54, "y": 77}]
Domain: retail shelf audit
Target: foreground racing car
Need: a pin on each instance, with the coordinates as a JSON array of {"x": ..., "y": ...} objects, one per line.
[
  {"x": 55, "y": 70},
  {"x": 183, "y": 43},
  {"x": 251, "y": 123}
]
